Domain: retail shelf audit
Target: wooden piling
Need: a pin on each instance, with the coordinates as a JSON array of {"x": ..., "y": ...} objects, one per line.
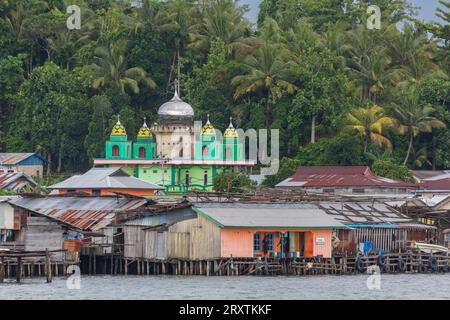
[
  {"x": 19, "y": 269},
  {"x": 48, "y": 266},
  {"x": 2, "y": 270}
]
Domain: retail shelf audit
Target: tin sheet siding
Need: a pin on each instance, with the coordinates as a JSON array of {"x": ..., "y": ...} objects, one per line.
[
  {"x": 43, "y": 234},
  {"x": 6, "y": 216}
]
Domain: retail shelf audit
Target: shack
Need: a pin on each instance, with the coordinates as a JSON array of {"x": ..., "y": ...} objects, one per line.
[
  {"x": 374, "y": 226},
  {"x": 24, "y": 230},
  {"x": 106, "y": 182},
  {"x": 218, "y": 230},
  {"x": 31, "y": 164},
  {"x": 96, "y": 217},
  {"x": 16, "y": 182},
  {"x": 347, "y": 180}
]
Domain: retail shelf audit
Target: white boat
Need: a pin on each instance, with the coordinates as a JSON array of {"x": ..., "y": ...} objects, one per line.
[{"x": 429, "y": 248}]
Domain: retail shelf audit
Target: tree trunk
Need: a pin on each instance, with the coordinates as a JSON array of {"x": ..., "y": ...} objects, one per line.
[
  {"x": 434, "y": 154},
  {"x": 49, "y": 163},
  {"x": 411, "y": 138},
  {"x": 313, "y": 129},
  {"x": 59, "y": 161},
  {"x": 268, "y": 112}
]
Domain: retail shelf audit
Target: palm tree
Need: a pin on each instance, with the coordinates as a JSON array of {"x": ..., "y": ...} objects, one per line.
[
  {"x": 155, "y": 14},
  {"x": 63, "y": 43},
  {"x": 182, "y": 15},
  {"x": 412, "y": 55},
  {"x": 370, "y": 123},
  {"x": 222, "y": 19},
  {"x": 266, "y": 72},
  {"x": 414, "y": 119},
  {"x": 368, "y": 62},
  {"x": 19, "y": 14},
  {"x": 110, "y": 69}
]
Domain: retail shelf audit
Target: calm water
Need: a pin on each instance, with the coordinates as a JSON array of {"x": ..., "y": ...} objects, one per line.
[{"x": 414, "y": 286}]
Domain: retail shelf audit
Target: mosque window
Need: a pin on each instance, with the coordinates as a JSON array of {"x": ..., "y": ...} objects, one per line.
[
  {"x": 115, "y": 151},
  {"x": 142, "y": 152},
  {"x": 187, "y": 178},
  {"x": 228, "y": 152},
  {"x": 205, "y": 178},
  {"x": 205, "y": 151}
]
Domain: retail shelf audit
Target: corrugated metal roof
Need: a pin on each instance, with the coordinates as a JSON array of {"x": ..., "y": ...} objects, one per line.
[
  {"x": 15, "y": 181},
  {"x": 442, "y": 184},
  {"x": 425, "y": 174},
  {"x": 270, "y": 218},
  {"x": 364, "y": 213},
  {"x": 85, "y": 213},
  {"x": 100, "y": 178},
  {"x": 415, "y": 226},
  {"x": 15, "y": 158},
  {"x": 381, "y": 225},
  {"x": 7, "y": 198},
  {"x": 333, "y": 176}
]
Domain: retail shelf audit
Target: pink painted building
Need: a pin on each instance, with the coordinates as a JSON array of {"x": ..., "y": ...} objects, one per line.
[{"x": 274, "y": 231}]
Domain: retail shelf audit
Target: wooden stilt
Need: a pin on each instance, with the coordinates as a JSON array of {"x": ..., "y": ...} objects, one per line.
[
  {"x": 2, "y": 270},
  {"x": 48, "y": 266}
]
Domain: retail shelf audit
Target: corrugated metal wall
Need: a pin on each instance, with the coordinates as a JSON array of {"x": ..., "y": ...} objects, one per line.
[
  {"x": 43, "y": 234},
  {"x": 6, "y": 216}
]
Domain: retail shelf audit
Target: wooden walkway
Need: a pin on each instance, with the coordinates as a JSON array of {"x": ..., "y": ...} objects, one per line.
[{"x": 29, "y": 264}]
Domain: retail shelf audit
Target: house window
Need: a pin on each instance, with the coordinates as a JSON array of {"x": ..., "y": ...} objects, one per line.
[
  {"x": 269, "y": 241},
  {"x": 155, "y": 171},
  {"x": 71, "y": 190},
  {"x": 205, "y": 151},
  {"x": 359, "y": 191},
  {"x": 142, "y": 152},
  {"x": 115, "y": 151},
  {"x": 205, "y": 178},
  {"x": 257, "y": 241},
  {"x": 328, "y": 190},
  {"x": 7, "y": 236},
  {"x": 96, "y": 192}
]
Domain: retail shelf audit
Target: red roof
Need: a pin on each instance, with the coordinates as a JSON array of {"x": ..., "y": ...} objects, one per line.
[
  {"x": 442, "y": 184},
  {"x": 334, "y": 176}
]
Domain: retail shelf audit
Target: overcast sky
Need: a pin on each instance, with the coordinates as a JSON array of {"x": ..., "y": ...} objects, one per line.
[{"x": 426, "y": 12}]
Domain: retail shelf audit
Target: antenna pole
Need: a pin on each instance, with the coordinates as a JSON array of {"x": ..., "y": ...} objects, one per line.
[{"x": 179, "y": 73}]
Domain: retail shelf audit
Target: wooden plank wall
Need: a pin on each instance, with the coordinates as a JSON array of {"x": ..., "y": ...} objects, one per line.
[
  {"x": 204, "y": 239},
  {"x": 42, "y": 234},
  {"x": 382, "y": 238},
  {"x": 190, "y": 239},
  {"x": 134, "y": 241}
]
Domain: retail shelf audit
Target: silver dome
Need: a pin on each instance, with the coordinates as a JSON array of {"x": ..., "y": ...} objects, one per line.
[{"x": 176, "y": 108}]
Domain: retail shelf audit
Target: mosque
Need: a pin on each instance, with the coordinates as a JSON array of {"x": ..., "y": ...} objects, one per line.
[{"x": 172, "y": 155}]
